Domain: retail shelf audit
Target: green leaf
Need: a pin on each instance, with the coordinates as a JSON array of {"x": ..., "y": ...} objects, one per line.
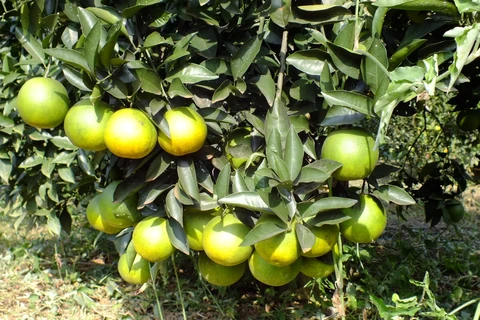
[
  {"x": 276, "y": 204},
  {"x": 203, "y": 177},
  {"x": 205, "y": 43},
  {"x": 403, "y": 52},
  {"x": 177, "y": 236},
  {"x": 63, "y": 143},
  {"x": 266, "y": 85},
  {"x": 397, "y": 195},
  {"x": 190, "y": 73},
  {"x": 310, "y": 61},
  {"x": 338, "y": 115},
  {"x": 177, "y": 88},
  {"x": 84, "y": 163},
  {"x": 138, "y": 5},
  {"x": 149, "y": 80},
  {"x": 67, "y": 174},
  {"x": 74, "y": 77},
  {"x": 174, "y": 207},
  {"x": 262, "y": 231},
  {"x": 32, "y": 45},
  {"x": 109, "y": 15},
  {"x": 282, "y": 13},
  {"x": 350, "y": 99},
  {"x": 308, "y": 174},
  {"x": 305, "y": 237},
  {"x": 464, "y": 6},
  {"x": 277, "y": 120},
  {"x": 107, "y": 50},
  {"x": 188, "y": 177},
  {"x": 216, "y": 115},
  {"x": 223, "y": 91},
  {"x": 53, "y": 224},
  {"x": 245, "y": 56},
  {"x": 92, "y": 43},
  {"x": 303, "y": 90},
  {"x": 373, "y": 74},
  {"x": 345, "y": 60},
  {"x": 238, "y": 183},
  {"x": 158, "y": 166},
  {"x": 6, "y": 168},
  {"x": 248, "y": 199},
  {"x": 318, "y": 14},
  {"x": 31, "y": 161},
  {"x": 293, "y": 154},
  {"x": 329, "y": 217},
  {"x": 152, "y": 191},
  {"x": 87, "y": 20},
  {"x": 308, "y": 209},
  {"x": 69, "y": 56},
  {"x": 222, "y": 186}
]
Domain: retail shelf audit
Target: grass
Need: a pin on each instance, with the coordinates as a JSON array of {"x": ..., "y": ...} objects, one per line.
[{"x": 412, "y": 271}]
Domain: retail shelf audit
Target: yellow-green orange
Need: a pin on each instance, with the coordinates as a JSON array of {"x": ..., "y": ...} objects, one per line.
[
  {"x": 95, "y": 219},
  {"x": 282, "y": 249},
  {"x": 194, "y": 222},
  {"x": 130, "y": 134},
  {"x": 43, "y": 102},
  {"x": 85, "y": 124},
  {"x": 316, "y": 268},
  {"x": 188, "y": 131},
  {"x": 326, "y": 236},
  {"x": 222, "y": 237},
  {"x": 368, "y": 220},
  {"x": 118, "y": 214},
  {"x": 218, "y": 274},
  {"x": 354, "y": 149},
  {"x": 272, "y": 275},
  {"x": 132, "y": 267},
  {"x": 238, "y": 147},
  {"x": 151, "y": 239}
]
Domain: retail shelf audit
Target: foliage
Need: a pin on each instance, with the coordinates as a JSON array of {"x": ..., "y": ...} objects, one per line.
[{"x": 291, "y": 70}]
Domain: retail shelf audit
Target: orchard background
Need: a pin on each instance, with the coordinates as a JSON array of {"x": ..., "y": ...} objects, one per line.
[{"x": 291, "y": 71}]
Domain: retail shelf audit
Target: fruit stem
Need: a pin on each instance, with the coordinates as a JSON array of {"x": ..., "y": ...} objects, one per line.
[
  {"x": 153, "y": 277},
  {"x": 283, "y": 57},
  {"x": 338, "y": 265},
  {"x": 180, "y": 294}
]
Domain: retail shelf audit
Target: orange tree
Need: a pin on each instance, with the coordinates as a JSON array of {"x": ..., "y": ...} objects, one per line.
[{"x": 291, "y": 72}]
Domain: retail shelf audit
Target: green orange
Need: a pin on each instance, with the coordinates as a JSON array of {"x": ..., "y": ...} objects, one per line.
[
  {"x": 43, "y": 102},
  {"x": 194, "y": 222},
  {"x": 326, "y": 236},
  {"x": 95, "y": 219},
  {"x": 122, "y": 214},
  {"x": 218, "y": 274},
  {"x": 354, "y": 149},
  {"x": 85, "y": 124},
  {"x": 132, "y": 267},
  {"x": 272, "y": 275},
  {"x": 316, "y": 267},
  {"x": 151, "y": 239}
]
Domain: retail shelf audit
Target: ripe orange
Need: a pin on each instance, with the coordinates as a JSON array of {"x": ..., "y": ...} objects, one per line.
[
  {"x": 130, "y": 134},
  {"x": 354, "y": 149},
  {"x": 280, "y": 250},
  {"x": 326, "y": 236},
  {"x": 151, "y": 239},
  {"x": 238, "y": 147},
  {"x": 272, "y": 275},
  {"x": 368, "y": 220},
  {"x": 455, "y": 210},
  {"x": 217, "y": 274},
  {"x": 43, "y": 102},
  {"x": 188, "y": 131},
  {"x": 95, "y": 219},
  {"x": 221, "y": 240},
  {"x": 132, "y": 267},
  {"x": 85, "y": 124},
  {"x": 316, "y": 267},
  {"x": 118, "y": 214},
  {"x": 194, "y": 222},
  {"x": 468, "y": 120}
]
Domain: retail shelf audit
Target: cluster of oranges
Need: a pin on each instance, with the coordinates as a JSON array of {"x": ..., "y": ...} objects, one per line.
[
  {"x": 216, "y": 235},
  {"x": 127, "y": 133}
]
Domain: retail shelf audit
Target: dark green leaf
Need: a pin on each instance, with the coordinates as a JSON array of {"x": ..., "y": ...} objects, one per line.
[
  {"x": 275, "y": 203},
  {"x": 174, "y": 207},
  {"x": 191, "y": 73},
  {"x": 106, "y": 51},
  {"x": 32, "y": 45},
  {"x": 349, "y": 99},
  {"x": 222, "y": 186},
  {"x": 293, "y": 154},
  {"x": 92, "y": 43},
  {"x": 177, "y": 236},
  {"x": 203, "y": 177},
  {"x": 308, "y": 209},
  {"x": 205, "y": 43},
  {"x": 245, "y": 56},
  {"x": 238, "y": 183},
  {"x": 310, "y": 61},
  {"x": 149, "y": 80},
  {"x": 305, "y": 237},
  {"x": 266, "y": 85},
  {"x": 158, "y": 166},
  {"x": 345, "y": 60},
  {"x": 260, "y": 232},
  {"x": 328, "y": 217},
  {"x": 247, "y": 199},
  {"x": 309, "y": 174},
  {"x": 177, "y": 88},
  {"x": 69, "y": 56},
  {"x": 187, "y": 177},
  {"x": 87, "y": 20},
  {"x": 397, "y": 195},
  {"x": 216, "y": 115},
  {"x": 67, "y": 174},
  {"x": 338, "y": 115}
]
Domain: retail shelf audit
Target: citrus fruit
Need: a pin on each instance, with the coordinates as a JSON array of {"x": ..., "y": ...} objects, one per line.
[
  {"x": 188, "y": 131},
  {"x": 368, "y": 220},
  {"x": 316, "y": 267},
  {"x": 353, "y": 148},
  {"x": 132, "y": 267},
  {"x": 281, "y": 249},
  {"x": 118, "y": 214},
  {"x": 222, "y": 237},
  {"x": 43, "y": 102},
  {"x": 455, "y": 210},
  {"x": 194, "y": 222},
  {"x": 85, "y": 123},
  {"x": 238, "y": 147},
  {"x": 218, "y": 274},
  {"x": 468, "y": 120},
  {"x": 326, "y": 237},
  {"x": 151, "y": 239},
  {"x": 95, "y": 218},
  {"x": 130, "y": 134},
  {"x": 272, "y": 275}
]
